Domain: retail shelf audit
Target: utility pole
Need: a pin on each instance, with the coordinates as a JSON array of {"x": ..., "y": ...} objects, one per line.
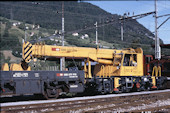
[
  {"x": 25, "y": 35},
  {"x": 122, "y": 30},
  {"x": 1, "y": 30},
  {"x": 103, "y": 31},
  {"x": 96, "y": 34},
  {"x": 157, "y": 44},
  {"x": 123, "y": 18},
  {"x": 62, "y": 60},
  {"x": 11, "y": 14}
]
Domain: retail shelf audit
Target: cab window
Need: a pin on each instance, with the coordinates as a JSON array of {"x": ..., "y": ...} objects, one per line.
[{"x": 130, "y": 60}]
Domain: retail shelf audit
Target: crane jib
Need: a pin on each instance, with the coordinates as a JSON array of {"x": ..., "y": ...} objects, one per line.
[
  {"x": 55, "y": 49},
  {"x": 27, "y": 46},
  {"x": 28, "y": 55},
  {"x": 27, "y": 50}
]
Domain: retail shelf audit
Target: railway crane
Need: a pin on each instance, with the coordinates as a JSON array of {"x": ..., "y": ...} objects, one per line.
[{"x": 115, "y": 71}]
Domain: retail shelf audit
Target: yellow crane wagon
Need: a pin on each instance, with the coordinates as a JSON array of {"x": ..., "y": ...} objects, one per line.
[{"x": 115, "y": 70}]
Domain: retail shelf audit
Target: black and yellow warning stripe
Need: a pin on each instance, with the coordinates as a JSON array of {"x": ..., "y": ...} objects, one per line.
[{"x": 27, "y": 51}]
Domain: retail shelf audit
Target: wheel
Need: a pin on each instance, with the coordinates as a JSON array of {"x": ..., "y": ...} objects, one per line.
[
  {"x": 51, "y": 93},
  {"x": 125, "y": 90},
  {"x": 102, "y": 92},
  {"x": 138, "y": 87},
  {"x": 148, "y": 88},
  {"x": 165, "y": 84},
  {"x": 142, "y": 88}
]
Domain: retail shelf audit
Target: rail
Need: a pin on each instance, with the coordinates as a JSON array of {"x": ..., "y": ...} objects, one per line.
[{"x": 90, "y": 104}]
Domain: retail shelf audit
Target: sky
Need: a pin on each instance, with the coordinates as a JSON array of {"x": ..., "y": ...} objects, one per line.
[{"x": 139, "y": 7}]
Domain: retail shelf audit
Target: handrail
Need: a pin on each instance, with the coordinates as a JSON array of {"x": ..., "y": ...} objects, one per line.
[
  {"x": 102, "y": 67},
  {"x": 159, "y": 70},
  {"x": 156, "y": 70}
]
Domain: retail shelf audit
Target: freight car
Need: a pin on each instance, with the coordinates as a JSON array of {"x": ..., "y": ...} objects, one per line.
[
  {"x": 115, "y": 71},
  {"x": 48, "y": 83},
  {"x": 164, "y": 63}
]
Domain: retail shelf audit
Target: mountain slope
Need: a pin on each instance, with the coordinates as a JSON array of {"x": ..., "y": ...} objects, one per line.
[{"x": 77, "y": 15}]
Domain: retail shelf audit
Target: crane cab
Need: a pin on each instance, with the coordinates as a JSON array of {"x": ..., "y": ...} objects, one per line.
[{"x": 125, "y": 63}]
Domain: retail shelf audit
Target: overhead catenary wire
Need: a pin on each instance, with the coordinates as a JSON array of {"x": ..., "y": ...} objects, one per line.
[
  {"x": 117, "y": 43},
  {"x": 68, "y": 13},
  {"x": 92, "y": 27},
  {"x": 163, "y": 15},
  {"x": 163, "y": 22},
  {"x": 78, "y": 15},
  {"x": 111, "y": 22}
]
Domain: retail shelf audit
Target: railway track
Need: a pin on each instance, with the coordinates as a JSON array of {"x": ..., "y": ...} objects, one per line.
[{"x": 136, "y": 101}]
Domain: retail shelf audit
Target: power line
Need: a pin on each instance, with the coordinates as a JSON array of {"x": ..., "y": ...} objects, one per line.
[
  {"x": 75, "y": 14},
  {"x": 136, "y": 16},
  {"x": 163, "y": 15},
  {"x": 80, "y": 30},
  {"x": 131, "y": 43},
  {"x": 112, "y": 21},
  {"x": 163, "y": 22},
  {"x": 94, "y": 27}
]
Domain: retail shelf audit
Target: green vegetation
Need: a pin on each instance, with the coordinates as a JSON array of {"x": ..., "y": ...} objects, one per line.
[
  {"x": 80, "y": 42},
  {"x": 77, "y": 15},
  {"x": 3, "y": 60}
]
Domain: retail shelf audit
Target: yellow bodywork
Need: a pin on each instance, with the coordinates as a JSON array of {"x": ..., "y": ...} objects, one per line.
[
  {"x": 18, "y": 67},
  {"x": 153, "y": 81},
  {"x": 156, "y": 72},
  {"x": 14, "y": 67},
  {"x": 5, "y": 67},
  {"x": 116, "y": 82},
  {"x": 110, "y": 62}
]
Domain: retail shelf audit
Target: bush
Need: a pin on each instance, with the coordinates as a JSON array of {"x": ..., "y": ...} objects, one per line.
[{"x": 22, "y": 26}]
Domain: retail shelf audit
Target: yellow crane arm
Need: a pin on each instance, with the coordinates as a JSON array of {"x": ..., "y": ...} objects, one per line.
[
  {"x": 104, "y": 56},
  {"x": 110, "y": 61}
]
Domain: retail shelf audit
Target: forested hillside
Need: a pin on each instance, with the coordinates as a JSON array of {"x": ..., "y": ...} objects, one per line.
[
  {"x": 37, "y": 20},
  {"x": 77, "y": 15}
]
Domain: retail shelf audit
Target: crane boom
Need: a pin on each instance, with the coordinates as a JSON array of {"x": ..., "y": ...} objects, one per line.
[
  {"x": 109, "y": 61},
  {"x": 40, "y": 50}
]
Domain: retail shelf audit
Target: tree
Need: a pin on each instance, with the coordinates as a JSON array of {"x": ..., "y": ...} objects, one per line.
[
  {"x": 8, "y": 25},
  {"x": 3, "y": 60},
  {"x": 6, "y": 33},
  {"x": 135, "y": 43},
  {"x": 22, "y": 26}
]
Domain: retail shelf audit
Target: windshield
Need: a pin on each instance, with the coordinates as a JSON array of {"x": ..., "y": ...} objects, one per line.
[{"x": 117, "y": 60}]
